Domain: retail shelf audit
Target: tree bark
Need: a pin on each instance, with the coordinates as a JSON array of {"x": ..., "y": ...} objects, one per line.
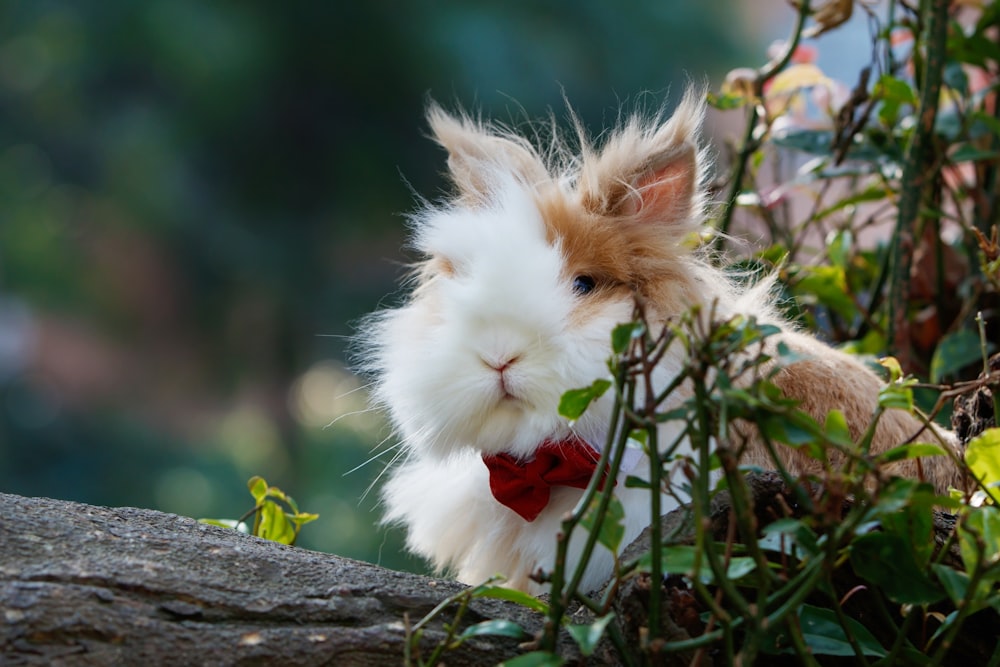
[{"x": 84, "y": 585}]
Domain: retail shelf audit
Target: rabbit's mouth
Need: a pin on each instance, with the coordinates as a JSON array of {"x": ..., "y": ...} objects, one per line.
[
  {"x": 505, "y": 389},
  {"x": 506, "y": 374}
]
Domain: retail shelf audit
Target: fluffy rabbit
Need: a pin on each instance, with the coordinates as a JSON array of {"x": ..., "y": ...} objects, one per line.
[{"x": 526, "y": 271}]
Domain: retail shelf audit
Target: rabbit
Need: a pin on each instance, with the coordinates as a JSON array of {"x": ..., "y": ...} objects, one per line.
[{"x": 526, "y": 269}]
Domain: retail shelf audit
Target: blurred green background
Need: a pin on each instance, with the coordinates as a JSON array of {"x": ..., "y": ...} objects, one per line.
[{"x": 197, "y": 199}]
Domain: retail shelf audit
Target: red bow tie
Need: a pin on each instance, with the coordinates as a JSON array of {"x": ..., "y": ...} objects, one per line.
[{"x": 525, "y": 487}]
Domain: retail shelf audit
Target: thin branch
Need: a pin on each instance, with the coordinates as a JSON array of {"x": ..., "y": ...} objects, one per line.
[
  {"x": 751, "y": 142},
  {"x": 917, "y": 176}
]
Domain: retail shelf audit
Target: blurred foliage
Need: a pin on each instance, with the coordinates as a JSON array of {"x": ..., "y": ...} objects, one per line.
[
  {"x": 276, "y": 515},
  {"x": 196, "y": 199},
  {"x": 874, "y": 195}
]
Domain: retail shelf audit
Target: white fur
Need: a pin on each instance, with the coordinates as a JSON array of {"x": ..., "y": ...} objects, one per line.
[
  {"x": 506, "y": 300},
  {"x": 508, "y": 297}
]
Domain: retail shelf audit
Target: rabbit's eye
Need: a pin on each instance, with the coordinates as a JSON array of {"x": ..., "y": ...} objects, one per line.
[{"x": 583, "y": 285}]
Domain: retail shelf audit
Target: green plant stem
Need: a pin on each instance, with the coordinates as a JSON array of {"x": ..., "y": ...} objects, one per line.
[
  {"x": 616, "y": 452},
  {"x": 750, "y": 142},
  {"x": 964, "y": 607},
  {"x": 750, "y": 145},
  {"x": 618, "y": 641},
  {"x": 917, "y": 176},
  {"x": 741, "y": 505},
  {"x": 414, "y": 633},
  {"x": 702, "y": 502},
  {"x": 655, "y": 535},
  {"x": 560, "y": 592},
  {"x": 604, "y": 500},
  {"x": 656, "y": 483},
  {"x": 794, "y": 592},
  {"x": 842, "y": 619},
  {"x": 741, "y": 509},
  {"x": 799, "y": 643},
  {"x": 811, "y": 575}
]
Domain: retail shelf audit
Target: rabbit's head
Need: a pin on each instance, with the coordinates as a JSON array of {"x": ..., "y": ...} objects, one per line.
[{"x": 525, "y": 272}]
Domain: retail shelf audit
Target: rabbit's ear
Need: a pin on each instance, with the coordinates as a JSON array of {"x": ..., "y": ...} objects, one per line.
[
  {"x": 649, "y": 171},
  {"x": 482, "y": 158}
]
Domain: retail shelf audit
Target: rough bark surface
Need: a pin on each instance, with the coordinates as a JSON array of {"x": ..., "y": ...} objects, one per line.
[{"x": 84, "y": 585}]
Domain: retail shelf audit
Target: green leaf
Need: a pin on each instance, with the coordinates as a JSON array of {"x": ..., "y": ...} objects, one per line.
[
  {"x": 783, "y": 534},
  {"x": 896, "y": 396},
  {"x": 898, "y": 495},
  {"x": 954, "y": 352},
  {"x": 839, "y": 244},
  {"x": 982, "y": 454},
  {"x": 816, "y": 142},
  {"x": 623, "y": 334},
  {"x": 911, "y": 451},
  {"x": 970, "y": 153},
  {"x": 836, "y": 429},
  {"x": 633, "y": 482},
  {"x": 726, "y": 101},
  {"x": 823, "y": 633},
  {"x": 888, "y": 561},
  {"x": 575, "y": 401},
  {"x": 980, "y": 530},
  {"x": 893, "y": 93},
  {"x": 955, "y": 583},
  {"x": 612, "y": 528},
  {"x": 258, "y": 488},
  {"x": 892, "y": 365},
  {"x": 511, "y": 595},
  {"x": 945, "y": 624},
  {"x": 792, "y": 429},
  {"x": 499, "y": 627},
  {"x": 915, "y": 525},
  {"x": 534, "y": 659},
  {"x": 303, "y": 518},
  {"x": 277, "y": 494},
  {"x": 956, "y": 78},
  {"x": 588, "y": 636},
  {"x": 827, "y": 285},
  {"x": 984, "y": 123},
  {"x": 680, "y": 559},
  {"x": 740, "y": 567},
  {"x": 274, "y": 524},
  {"x": 979, "y": 543}
]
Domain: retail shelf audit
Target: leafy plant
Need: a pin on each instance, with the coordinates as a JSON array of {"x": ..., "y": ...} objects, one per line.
[
  {"x": 276, "y": 516},
  {"x": 877, "y": 206}
]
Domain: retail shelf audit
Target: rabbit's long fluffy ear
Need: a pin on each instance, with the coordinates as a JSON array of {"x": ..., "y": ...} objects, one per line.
[
  {"x": 649, "y": 170},
  {"x": 482, "y": 157}
]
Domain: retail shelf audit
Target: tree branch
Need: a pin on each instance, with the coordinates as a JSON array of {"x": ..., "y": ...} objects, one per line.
[{"x": 84, "y": 585}]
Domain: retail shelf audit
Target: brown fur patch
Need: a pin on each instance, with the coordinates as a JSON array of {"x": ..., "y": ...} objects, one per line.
[
  {"x": 622, "y": 255},
  {"x": 830, "y": 380}
]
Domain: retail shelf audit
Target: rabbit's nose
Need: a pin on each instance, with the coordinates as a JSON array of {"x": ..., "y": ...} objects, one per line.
[
  {"x": 501, "y": 364},
  {"x": 506, "y": 384}
]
